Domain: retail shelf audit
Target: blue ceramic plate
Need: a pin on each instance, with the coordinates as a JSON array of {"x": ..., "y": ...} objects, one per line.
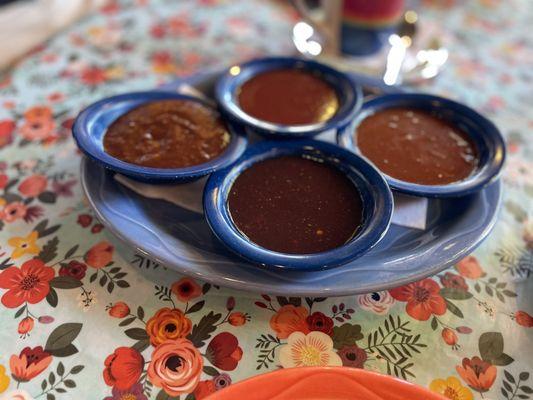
[
  {"x": 376, "y": 195},
  {"x": 91, "y": 125},
  {"x": 349, "y": 93},
  {"x": 488, "y": 140},
  {"x": 182, "y": 240}
]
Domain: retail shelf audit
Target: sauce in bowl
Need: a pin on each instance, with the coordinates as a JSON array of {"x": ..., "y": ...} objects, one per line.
[
  {"x": 288, "y": 97},
  {"x": 295, "y": 205},
  {"x": 167, "y": 134},
  {"x": 418, "y": 147}
]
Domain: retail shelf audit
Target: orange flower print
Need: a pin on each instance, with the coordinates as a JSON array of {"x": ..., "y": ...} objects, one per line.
[
  {"x": 6, "y": 132},
  {"x": 237, "y": 318},
  {"x": 168, "y": 324},
  {"x": 99, "y": 255},
  {"x": 524, "y": 319},
  {"x": 289, "y": 319},
  {"x": 25, "y": 325},
  {"x": 33, "y": 185},
  {"x": 13, "y": 211},
  {"x": 478, "y": 374},
  {"x": 423, "y": 299},
  {"x": 123, "y": 368},
  {"x": 37, "y": 130},
  {"x": 38, "y": 113},
  {"x": 204, "y": 389},
  {"x": 118, "y": 310},
  {"x": 29, "y": 283},
  {"x": 451, "y": 388},
  {"x": 449, "y": 337},
  {"x": 176, "y": 367},
  {"x": 469, "y": 268},
  {"x": 186, "y": 289},
  {"x": 29, "y": 363}
]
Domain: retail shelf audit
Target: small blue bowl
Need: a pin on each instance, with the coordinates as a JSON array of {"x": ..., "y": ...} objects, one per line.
[
  {"x": 487, "y": 138},
  {"x": 376, "y": 195},
  {"x": 92, "y": 123},
  {"x": 350, "y": 97}
]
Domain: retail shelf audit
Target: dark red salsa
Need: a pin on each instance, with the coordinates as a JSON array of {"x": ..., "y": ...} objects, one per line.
[
  {"x": 416, "y": 146},
  {"x": 167, "y": 134},
  {"x": 288, "y": 97},
  {"x": 294, "y": 205}
]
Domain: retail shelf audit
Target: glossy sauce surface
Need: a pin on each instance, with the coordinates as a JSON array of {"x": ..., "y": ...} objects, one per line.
[
  {"x": 295, "y": 205},
  {"x": 416, "y": 146},
  {"x": 167, "y": 134},
  {"x": 288, "y": 97}
]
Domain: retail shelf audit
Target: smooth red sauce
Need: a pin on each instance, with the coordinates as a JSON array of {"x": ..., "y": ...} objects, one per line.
[
  {"x": 288, "y": 97},
  {"x": 295, "y": 205},
  {"x": 416, "y": 146},
  {"x": 167, "y": 134}
]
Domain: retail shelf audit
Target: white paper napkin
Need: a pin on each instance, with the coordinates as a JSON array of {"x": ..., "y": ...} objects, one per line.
[{"x": 408, "y": 211}]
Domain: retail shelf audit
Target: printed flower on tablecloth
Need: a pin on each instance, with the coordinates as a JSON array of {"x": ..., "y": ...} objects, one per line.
[
  {"x": 100, "y": 255},
  {"x": 123, "y": 368},
  {"x": 168, "y": 324},
  {"x": 238, "y": 318},
  {"x": 320, "y": 322},
  {"x": 29, "y": 363},
  {"x": 352, "y": 356},
  {"x": 7, "y": 127},
  {"x": 33, "y": 185},
  {"x": 224, "y": 351},
  {"x": 17, "y": 394},
  {"x": 453, "y": 281},
  {"x": 313, "y": 349},
  {"x": 524, "y": 319},
  {"x": 25, "y": 325},
  {"x": 449, "y": 337},
  {"x": 118, "y": 310},
  {"x": 13, "y": 211},
  {"x": 478, "y": 374},
  {"x": 4, "y": 379},
  {"x": 451, "y": 388},
  {"x": 24, "y": 245},
  {"x": 204, "y": 389},
  {"x": 469, "y": 268},
  {"x": 289, "y": 319},
  {"x": 29, "y": 283},
  {"x": 422, "y": 297},
  {"x": 376, "y": 302},
  {"x": 186, "y": 289},
  {"x": 176, "y": 366},
  {"x": 134, "y": 392},
  {"x": 74, "y": 269}
]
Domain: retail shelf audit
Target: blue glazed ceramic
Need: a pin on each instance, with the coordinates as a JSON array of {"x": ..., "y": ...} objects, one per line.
[
  {"x": 349, "y": 93},
  {"x": 91, "y": 125},
  {"x": 376, "y": 195},
  {"x": 488, "y": 139}
]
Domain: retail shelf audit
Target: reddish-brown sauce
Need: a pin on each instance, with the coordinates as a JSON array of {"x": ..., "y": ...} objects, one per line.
[
  {"x": 167, "y": 134},
  {"x": 295, "y": 205},
  {"x": 288, "y": 97},
  {"x": 416, "y": 146}
]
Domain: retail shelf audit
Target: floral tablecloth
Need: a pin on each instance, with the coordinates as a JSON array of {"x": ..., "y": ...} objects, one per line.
[{"x": 81, "y": 316}]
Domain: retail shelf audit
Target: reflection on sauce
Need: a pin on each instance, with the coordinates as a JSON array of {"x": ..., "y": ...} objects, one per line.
[
  {"x": 167, "y": 134},
  {"x": 288, "y": 97},
  {"x": 295, "y": 205},
  {"x": 416, "y": 146}
]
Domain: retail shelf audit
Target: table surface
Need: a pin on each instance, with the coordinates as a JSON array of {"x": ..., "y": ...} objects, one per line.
[{"x": 84, "y": 317}]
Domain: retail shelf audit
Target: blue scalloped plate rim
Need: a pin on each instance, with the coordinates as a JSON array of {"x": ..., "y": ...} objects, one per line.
[{"x": 182, "y": 240}]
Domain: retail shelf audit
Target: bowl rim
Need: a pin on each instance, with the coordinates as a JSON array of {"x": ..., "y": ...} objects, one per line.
[
  {"x": 485, "y": 173},
  {"x": 83, "y": 132},
  {"x": 219, "y": 219},
  {"x": 228, "y": 84}
]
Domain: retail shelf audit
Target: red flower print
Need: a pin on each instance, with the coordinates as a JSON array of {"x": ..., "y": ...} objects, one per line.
[
  {"x": 25, "y": 325},
  {"x": 55, "y": 97},
  {"x": 469, "y": 268},
  {"x": 454, "y": 281},
  {"x": 352, "y": 356},
  {"x": 29, "y": 283},
  {"x": 64, "y": 188},
  {"x": 237, "y": 318},
  {"x": 449, "y": 337},
  {"x": 123, "y": 368},
  {"x": 74, "y": 269},
  {"x": 478, "y": 374},
  {"x": 37, "y": 130},
  {"x": 100, "y": 255},
  {"x": 85, "y": 220},
  {"x": 38, "y": 113},
  {"x": 6, "y": 132},
  {"x": 13, "y": 211},
  {"x": 3, "y": 180},
  {"x": 422, "y": 297},
  {"x": 186, "y": 289},
  {"x": 33, "y": 185},
  {"x": 204, "y": 389},
  {"x": 118, "y": 310},
  {"x": 97, "y": 228},
  {"x": 224, "y": 351},
  {"x": 93, "y": 75},
  {"x": 158, "y": 30},
  {"x": 524, "y": 319},
  {"x": 320, "y": 322},
  {"x": 29, "y": 363}
]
